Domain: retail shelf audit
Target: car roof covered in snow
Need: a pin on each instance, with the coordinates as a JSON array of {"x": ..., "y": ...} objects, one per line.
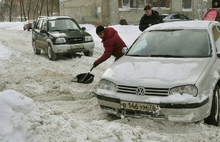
[{"x": 197, "y": 24}]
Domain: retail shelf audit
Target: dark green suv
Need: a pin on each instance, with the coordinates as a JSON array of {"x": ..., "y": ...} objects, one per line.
[{"x": 60, "y": 35}]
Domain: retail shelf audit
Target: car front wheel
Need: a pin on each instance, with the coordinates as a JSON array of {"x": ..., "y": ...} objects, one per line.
[
  {"x": 36, "y": 51},
  {"x": 214, "y": 118},
  {"x": 51, "y": 55}
]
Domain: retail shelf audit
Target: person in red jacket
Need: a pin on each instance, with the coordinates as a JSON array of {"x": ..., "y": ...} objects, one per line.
[{"x": 112, "y": 43}]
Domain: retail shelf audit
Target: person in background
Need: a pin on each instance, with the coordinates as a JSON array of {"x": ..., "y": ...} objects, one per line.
[
  {"x": 151, "y": 17},
  {"x": 123, "y": 21},
  {"x": 112, "y": 43}
]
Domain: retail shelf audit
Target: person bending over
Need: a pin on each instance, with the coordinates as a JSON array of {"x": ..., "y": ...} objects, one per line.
[{"x": 112, "y": 43}]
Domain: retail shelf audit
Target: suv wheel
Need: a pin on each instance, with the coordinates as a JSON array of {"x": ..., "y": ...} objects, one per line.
[
  {"x": 88, "y": 53},
  {"x": 36, "y": 51},
  {"x": 51, "y": 55},
  {"x": 214, "y": 118}
]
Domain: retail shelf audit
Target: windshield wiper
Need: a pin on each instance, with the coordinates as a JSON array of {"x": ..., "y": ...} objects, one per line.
[{"x": 167, "y": 56}]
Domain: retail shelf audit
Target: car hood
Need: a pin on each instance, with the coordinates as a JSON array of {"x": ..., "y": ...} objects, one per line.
[
  {"x": 71, "y": 33},
  {"x": 159, "y": 72}
]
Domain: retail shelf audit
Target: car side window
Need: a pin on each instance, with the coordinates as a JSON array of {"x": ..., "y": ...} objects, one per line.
[
  {"x": 183, "y": 17},
  {"x": 215, "y": 32},
  {"x": 176, "y": 17},
  {"x": 44, "y": 25},
  {"x": 39, "y": 24}
]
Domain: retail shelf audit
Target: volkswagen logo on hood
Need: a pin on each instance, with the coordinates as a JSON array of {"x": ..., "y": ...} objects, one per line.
[{"x": 140, "y": 91}]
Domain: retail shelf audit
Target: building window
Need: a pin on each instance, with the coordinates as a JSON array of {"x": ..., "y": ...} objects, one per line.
[
  {"x": 123, "y": 4},
  {"x": 128, "y": 4},
  {"x": 186, "y": 4},
  {"x": 160, "y": 3},
  {"x": 133, "y": 4}
]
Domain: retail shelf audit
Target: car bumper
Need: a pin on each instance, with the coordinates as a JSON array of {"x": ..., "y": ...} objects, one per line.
[
  {"x": 166, "y": 111},
  {"x": 66, "y": 48}
]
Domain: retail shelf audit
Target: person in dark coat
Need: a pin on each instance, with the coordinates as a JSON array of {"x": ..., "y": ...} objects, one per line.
[
  {"x": 151, "y": 17},
  {"x": 112, "y": 43}
]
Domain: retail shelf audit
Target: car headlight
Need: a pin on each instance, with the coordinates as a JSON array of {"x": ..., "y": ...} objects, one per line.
[
  {"x": 60, "y": 40},
  {"x": 185, "y": 89},
  {"x": 88, "y": 38},
  {"x": 107, "y": 85}
]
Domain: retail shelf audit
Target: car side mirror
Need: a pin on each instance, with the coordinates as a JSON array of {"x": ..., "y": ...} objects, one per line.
[
  {"x": 43, "y": 31},
  {"x": 124, "y": 49},
  {"x": 83, "y": 28}
]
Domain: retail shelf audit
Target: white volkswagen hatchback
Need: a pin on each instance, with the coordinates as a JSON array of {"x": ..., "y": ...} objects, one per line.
[{"x": 171, "y": 72}]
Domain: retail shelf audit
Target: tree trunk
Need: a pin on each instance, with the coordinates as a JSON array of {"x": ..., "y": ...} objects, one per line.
[
  {"x": 35, "y": 8},
  {"x": 51, "y": 8},
  {"x": 21, "y": 11},
  {"x": 10, "y": 10},
  {"x": 22, "y": 5},
  {"x": 47, "y": 8},
  {"x": 29, "y": 8},
  {"x": 41, "y": 7}
]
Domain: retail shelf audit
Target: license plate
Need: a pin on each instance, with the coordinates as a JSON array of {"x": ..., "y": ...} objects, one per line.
[
  {"x": 139, "y": 106},
  {"x": 76, "y": 46}
]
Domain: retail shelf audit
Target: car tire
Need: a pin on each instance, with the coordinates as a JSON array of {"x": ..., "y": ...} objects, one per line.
[
  {"x": 51, "y": 55},
  {"x": 28, "y": 29},
  {"x": 88, "y": 53},
  {"x": 214, "y": 117},
  {"x": 36, "y": 51}
]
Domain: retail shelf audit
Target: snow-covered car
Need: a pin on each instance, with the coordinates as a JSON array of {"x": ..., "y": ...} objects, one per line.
[
  {"x": 28, "y": 25},
  {"x": 60, "y": 35},
  {"x": 171, "y": 72}
]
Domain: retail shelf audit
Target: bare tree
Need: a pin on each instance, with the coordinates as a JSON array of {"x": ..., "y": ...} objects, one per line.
[
  {"x": 10, "y": 10},
  {"x": 2, "y": 11},
  {"x": 22, "y": 5},
  {"x": 51, "y": 8},
  {"x": 41, "y": 7},
  {"x": 47, "y": 8},
  {"x": 35, "y": 8},
  {"x": 29, "y": 8},
  {"x": 21, "y": 10}
]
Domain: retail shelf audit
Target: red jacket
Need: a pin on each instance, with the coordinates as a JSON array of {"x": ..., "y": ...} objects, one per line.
[{"x": 113, "y": 45}]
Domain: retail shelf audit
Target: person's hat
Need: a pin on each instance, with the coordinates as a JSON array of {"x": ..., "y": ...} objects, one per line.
[{"x": 99, "y": 30}]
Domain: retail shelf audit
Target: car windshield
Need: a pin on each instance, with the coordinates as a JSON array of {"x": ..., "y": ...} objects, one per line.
[
  {"x": 63, "y": 24},
  {"x": 172, "y": 43}
]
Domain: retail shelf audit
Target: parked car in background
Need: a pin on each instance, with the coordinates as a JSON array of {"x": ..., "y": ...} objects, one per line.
[
  {"x": 171, "y": 72},
  {"x": 174, "y": 17},
  {"x": 60, "y": 35},
  {"x": 28, "y": 25}
]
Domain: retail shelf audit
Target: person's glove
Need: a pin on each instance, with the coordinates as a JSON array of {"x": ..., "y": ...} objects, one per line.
[{"x": 95, "y": 64}]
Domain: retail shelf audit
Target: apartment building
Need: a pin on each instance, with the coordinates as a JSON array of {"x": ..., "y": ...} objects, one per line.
[{"x": 109, "y": 12}]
